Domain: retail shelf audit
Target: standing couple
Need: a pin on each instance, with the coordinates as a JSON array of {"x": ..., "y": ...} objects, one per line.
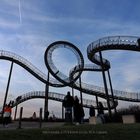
[{"x": 73, "y": 103}]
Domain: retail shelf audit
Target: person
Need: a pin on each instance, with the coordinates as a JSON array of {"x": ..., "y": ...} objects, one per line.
[
  {"x": 7, "y": 115},
  {"x": 92, "y": 111},
  {"x": 82, "y": 114},
  {"x": 101, "y": 112},
  {"x": 76, "y": 109},
  {"x": 68, "y": 103}
]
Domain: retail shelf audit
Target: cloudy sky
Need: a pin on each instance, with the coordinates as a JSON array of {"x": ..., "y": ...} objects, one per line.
[{"x": 27, "y": 27}]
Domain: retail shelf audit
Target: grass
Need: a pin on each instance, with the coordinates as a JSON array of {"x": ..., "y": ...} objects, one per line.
[{"x": 81, "y": 132}]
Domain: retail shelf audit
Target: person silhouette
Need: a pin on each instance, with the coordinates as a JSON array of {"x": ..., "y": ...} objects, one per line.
[
  {"x": 92, "y": 111},
  {"x": 7, "y": 115},
  {"x": 68, "y": 103},
  {"x": 101, "y": 112}
]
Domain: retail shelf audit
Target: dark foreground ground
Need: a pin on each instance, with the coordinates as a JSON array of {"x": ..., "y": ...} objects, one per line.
[{"x": 60, "y": 131}]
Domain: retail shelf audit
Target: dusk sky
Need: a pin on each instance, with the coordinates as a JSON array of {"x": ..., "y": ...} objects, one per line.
[{"x": 27, "y": 27}]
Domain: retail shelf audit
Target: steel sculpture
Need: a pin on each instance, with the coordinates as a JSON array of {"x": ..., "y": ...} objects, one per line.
[{"x": 100, "y": 65}]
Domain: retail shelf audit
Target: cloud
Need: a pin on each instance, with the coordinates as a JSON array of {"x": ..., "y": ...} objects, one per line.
[
  {"x": 124, "y": 68},
  {"x": 8, "y": 24}
]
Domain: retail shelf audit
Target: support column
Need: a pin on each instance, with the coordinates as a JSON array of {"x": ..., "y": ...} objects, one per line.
[
  {"x": 46, "y": 99},
  {"x": 72, "y": 91},
  {"x": 81, "y": 96},
  {"x": 40, "y": 118},
  {"x": 105, "y": 84},
  {"x": 72, "y": 107},
  {"x": 7, "y": 88},
  {"x": 15, "y": 112},
  {"x": 20, "y": 118},
  {"x": 62, "y": 112},
  {"x": 97, "y": 102},
  {"x": 109, "y": 77}
]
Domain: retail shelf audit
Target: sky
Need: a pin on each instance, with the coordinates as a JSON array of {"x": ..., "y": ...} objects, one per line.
[{"x": 27, "y": 27}]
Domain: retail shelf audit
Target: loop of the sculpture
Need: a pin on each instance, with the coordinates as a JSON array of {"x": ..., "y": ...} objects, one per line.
[{"x": 66, "y": 80}]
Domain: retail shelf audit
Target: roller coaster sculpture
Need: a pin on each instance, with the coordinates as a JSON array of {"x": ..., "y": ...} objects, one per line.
[{"x": 99, "y": 64}]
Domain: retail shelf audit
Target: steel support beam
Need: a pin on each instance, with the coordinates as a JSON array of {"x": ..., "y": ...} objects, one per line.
[
  {"x": 62, "y": 112},
  {"x": 46, "y": 99},
  {"x": 40, "y": 118},
  {"x": 105, "y": 84},
  {"x": 15, "y": 112},
  {"x": 81, "y": 96},
  {"x": 111, "y": 88},
  {"x": 97, "y": 102},
  {"x": 7, "y": 88},
  {"x": 20, "y": 118}
]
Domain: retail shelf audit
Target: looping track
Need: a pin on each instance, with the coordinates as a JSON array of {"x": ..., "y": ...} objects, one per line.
[
  {"x": 67, "y": 81},
  {"x": 107, "y": 43}
]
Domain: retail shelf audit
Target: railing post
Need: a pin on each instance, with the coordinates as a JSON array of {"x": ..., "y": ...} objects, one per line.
[
  {"x": 105, "y": 84},
  {"x": 20, "y": 118}
]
